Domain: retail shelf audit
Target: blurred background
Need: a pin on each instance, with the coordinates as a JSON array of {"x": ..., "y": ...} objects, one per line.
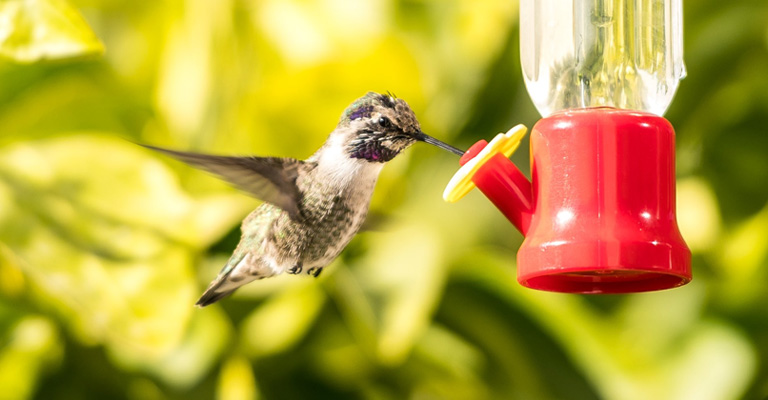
[{"x": 105, "y": 246}]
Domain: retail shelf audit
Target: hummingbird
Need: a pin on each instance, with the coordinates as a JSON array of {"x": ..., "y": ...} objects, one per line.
[{"x": 311, "y": 208}]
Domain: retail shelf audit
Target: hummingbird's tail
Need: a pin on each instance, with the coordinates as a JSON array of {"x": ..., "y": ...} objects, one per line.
[
  {"x": 219, "y": 288},
  {"x": 240, "y": 269},
  {"x": 211, "y": 296}
]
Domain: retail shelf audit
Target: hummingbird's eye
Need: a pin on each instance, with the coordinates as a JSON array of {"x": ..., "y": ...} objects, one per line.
[{"x": 385, "y": 122}]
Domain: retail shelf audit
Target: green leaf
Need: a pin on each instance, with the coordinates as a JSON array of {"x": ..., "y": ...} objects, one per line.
[
  {"x": 404, "y": 275},
  {"x": 105, "y": 236},
  {"x": 646, "y": 350},
  {"x": 283, "y": 320},
  {"x": 203, "y": 343}
]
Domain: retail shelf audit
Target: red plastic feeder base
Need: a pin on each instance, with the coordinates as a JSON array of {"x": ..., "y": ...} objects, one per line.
[
  {"x": 601, "y": 267},
  {"x": 599, "y": 216}
]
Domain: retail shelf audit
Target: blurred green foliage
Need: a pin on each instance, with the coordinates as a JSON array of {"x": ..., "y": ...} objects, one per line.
[{"x": 105, "y": 246}]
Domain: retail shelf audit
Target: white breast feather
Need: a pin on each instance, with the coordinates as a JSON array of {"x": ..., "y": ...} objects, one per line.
[{"x": 336, "y": 165}]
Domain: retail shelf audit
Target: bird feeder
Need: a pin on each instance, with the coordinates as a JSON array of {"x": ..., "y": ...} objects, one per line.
[{"x": 598, "y": 214}]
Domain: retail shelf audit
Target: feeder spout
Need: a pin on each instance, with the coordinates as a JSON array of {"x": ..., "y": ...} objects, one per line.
[
  {"x": 508, "y": 189},
  {"x": 487, "y": 167}
]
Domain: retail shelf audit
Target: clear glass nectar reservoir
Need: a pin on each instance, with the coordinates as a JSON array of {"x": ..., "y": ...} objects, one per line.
[{"x": 590, "y": 53}]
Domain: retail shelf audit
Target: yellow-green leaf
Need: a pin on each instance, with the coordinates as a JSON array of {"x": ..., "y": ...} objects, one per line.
[
  {"x": 237, "y": 381},
  {"x": 33, "y": 30},
  {"x": 106, "y": 238},
  {"x": 32, "y": 344}
]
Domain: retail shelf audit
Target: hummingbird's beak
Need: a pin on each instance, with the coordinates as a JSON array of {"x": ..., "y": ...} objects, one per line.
[{"x": 423, "y": 137}]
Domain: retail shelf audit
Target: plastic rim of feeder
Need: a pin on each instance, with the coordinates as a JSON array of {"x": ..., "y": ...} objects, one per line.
[{"x": 504, "y": 143}]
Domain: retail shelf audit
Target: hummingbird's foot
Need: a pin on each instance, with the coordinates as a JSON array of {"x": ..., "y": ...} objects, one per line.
[
  {"x": 296, "y": 269},
  {"x": 315, "y": 271}
]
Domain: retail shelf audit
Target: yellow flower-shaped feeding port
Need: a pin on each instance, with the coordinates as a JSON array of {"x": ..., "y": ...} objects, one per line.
[{"x": 461, "y": 183}]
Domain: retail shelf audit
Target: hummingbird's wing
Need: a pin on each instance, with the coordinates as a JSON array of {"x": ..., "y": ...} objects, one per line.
[{"x": 271, "y": 179}]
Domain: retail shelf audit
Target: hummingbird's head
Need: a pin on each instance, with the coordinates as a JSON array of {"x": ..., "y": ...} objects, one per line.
[{"x": 381, "y": 126}]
